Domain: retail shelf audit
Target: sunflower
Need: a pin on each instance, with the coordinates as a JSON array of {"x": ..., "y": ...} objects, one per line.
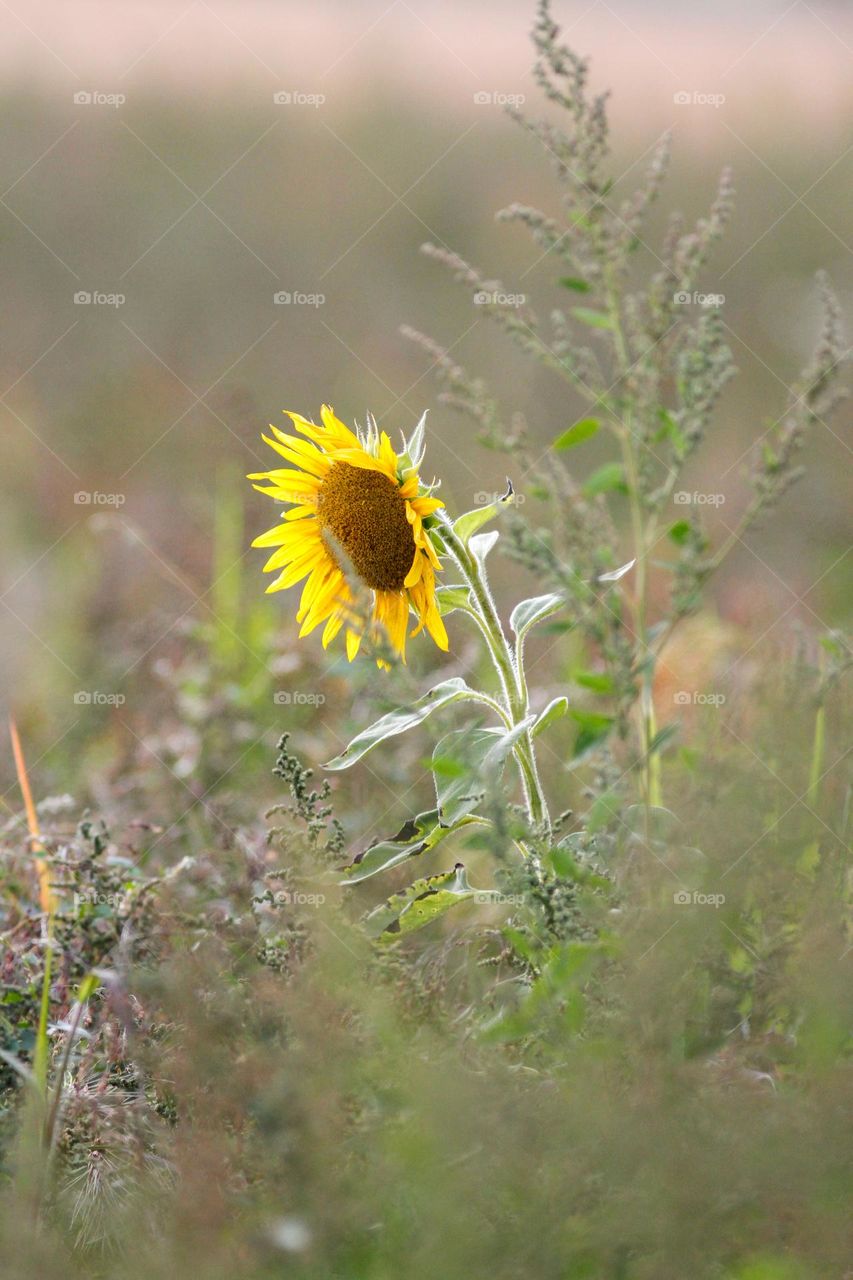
[{"x": 359, "y": 513}]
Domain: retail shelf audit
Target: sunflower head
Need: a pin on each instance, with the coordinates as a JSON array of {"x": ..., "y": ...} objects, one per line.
[{"x": 358, "y": 517}]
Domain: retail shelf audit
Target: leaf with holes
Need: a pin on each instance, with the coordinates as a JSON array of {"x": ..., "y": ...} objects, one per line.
[
  {"x": 419, "y": 835},
  {"x": 420, "y": 904}
]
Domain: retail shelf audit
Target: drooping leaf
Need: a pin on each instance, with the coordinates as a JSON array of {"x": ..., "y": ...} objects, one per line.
[
  {"x": 554, "y": 710},
  {"x": 388, "y": 726},
  {"x": 418, "y": 905},
  {"x": 585, "y": 429},
  {"x": 528, "y": 612},
  {"x": 417, "y": 836}
]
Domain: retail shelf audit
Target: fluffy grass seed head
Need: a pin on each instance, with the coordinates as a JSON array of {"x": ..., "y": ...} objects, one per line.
[{"x": 358, "y": 515}]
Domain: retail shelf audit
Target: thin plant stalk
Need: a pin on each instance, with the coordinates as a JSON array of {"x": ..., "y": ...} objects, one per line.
[{"x": 509, "y": 666}]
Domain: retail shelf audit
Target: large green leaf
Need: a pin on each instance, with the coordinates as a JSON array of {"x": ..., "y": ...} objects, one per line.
[
  {"x": 441, "y": 695},
  {"x": 419, "y": 835},
  {"x": 526, "y": 614},
  {"x": 418, "y": 905}
]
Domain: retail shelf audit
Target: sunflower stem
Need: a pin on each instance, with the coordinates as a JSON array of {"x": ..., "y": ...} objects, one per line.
[{"x": 508, "y": 666}]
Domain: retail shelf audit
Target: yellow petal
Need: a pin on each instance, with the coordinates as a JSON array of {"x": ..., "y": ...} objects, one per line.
[
  {"x": 341, "y": 433},
  {"x": 353, "y": 644},
  {"x": 413, "y": 577},
  {"x": 332, "y": 628}
]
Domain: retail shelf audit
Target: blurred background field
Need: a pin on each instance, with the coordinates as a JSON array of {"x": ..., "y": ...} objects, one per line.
[
  {"x": 199, "y": 198},
  {"x": 212, "y": 211}
]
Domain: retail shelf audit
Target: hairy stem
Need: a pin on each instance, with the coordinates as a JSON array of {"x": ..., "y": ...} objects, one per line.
[{"x": 509, "y": 670}]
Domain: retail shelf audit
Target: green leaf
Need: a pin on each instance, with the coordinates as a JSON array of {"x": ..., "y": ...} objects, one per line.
[
  {"x": 597, "y": 681},
  {"x": 613, "y": 575},
  {"x": 417, "y": 836},
  {"x": 464, "y": 526},
  {"x": 595, "y": 319},
  {"x": 680, "y": 532},
  {"x": 554, "y": 711},
  {"x": 585, "y": 429},
  {"x": 450, "y": 598},
  {"x": 414, "y": 446},
  {"x": 481, "y": 544},
  {"x": 594, "y": 728},
  {"x": 574, "y": 283},
  {"x": 418, "y": 905},
  {"x": 669, "y": 429},
  {"x": 606, "y": 479},
  {"x": 528, "y": 612},
  {"x": 441, "y": 695},
  {"x": 604, "y": 811},
  {"x": 483, "y": 754},
  {"x": 563, "y": 863}
]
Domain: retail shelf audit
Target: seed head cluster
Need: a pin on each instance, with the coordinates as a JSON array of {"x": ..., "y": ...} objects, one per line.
[{"x": 365, "y": 514}]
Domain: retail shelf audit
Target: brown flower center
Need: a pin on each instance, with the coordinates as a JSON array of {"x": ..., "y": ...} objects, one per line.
[{"x": 365, "y": 515}]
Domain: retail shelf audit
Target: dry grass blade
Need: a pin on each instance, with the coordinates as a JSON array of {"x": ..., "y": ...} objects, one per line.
[{"x": 46, "y": 897}]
